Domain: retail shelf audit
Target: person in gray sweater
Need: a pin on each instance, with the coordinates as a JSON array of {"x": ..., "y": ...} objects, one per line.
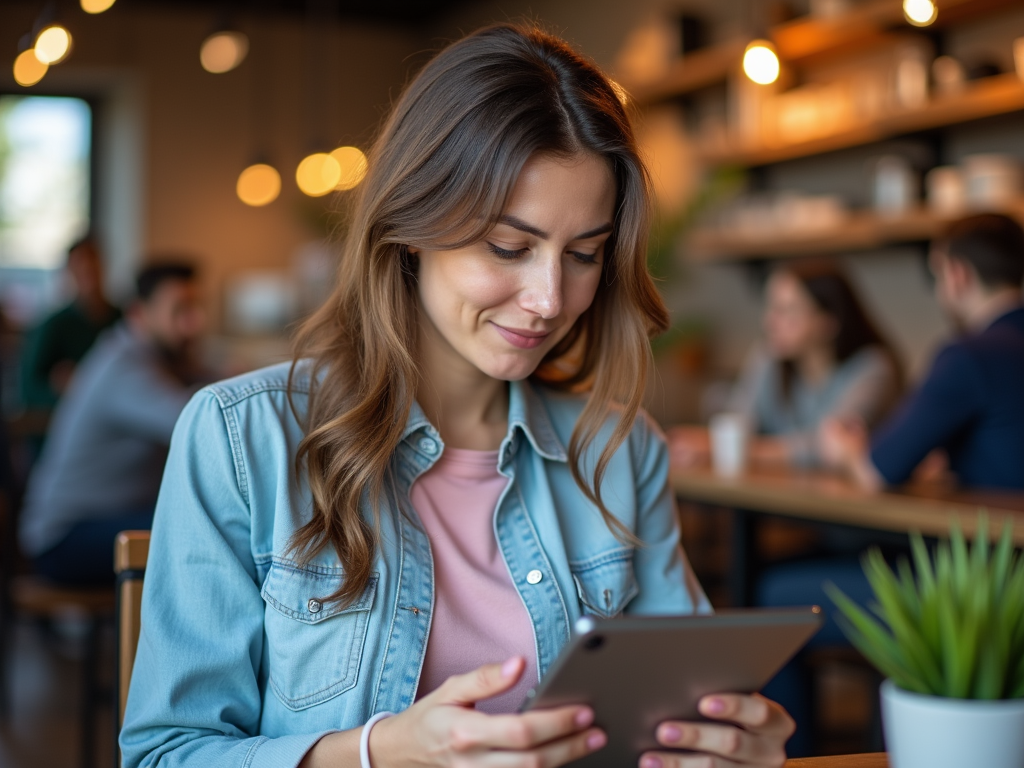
[
  {"x": 102, "y": 463},
  {"x": 822, "y": 357}
]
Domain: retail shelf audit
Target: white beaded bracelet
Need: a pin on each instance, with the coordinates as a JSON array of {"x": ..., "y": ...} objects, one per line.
[{"x": 364, "y": 738}]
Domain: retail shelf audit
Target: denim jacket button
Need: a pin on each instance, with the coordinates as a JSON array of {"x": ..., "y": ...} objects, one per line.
[
  {"x": 427, "y": 445},
  {"x": 314, "y": 605},
  {"x": 534, "y": 577}
]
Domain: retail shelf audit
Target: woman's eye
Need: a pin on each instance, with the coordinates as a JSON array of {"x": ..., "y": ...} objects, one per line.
[
  {"x": 505, "y": 253},
  {"x": 585, "y": 258}
]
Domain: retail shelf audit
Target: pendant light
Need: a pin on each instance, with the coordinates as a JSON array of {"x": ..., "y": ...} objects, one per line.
[
  {"x": 761, "y": 62},
  {"x": 259, "y": 183},
  {"x": 920, "y": 13},
  {"x": 760, "y": 59},
  {"x": 96, "y": 6}
]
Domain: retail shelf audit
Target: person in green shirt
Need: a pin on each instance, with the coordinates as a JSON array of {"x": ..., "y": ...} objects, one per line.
[{"x": 53, "y": 348}]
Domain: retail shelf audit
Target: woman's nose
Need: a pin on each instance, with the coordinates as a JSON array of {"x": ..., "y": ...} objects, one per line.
[{"x": 542, "y": 287}]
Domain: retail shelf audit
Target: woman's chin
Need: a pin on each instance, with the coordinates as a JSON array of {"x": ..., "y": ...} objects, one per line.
[{"x": 511, "y": 370}]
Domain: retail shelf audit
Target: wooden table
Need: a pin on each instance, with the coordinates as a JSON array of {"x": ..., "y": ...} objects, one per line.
[
  {"x": 826, "y": 498},
  {"x": 875, "y": 760}
]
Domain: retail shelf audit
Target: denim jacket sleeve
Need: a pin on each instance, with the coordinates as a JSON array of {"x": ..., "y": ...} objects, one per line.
[
  {"x": 195, "y": 695},
  {"x": 667, "y": 584}
]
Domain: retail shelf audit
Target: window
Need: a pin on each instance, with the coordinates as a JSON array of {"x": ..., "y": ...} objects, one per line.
[{"x": 45, "y": 163}]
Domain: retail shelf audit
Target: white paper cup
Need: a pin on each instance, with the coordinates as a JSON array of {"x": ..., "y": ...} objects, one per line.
[{"x": 729, "y": 434}]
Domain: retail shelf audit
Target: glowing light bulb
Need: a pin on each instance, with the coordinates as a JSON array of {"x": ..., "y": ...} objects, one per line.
[
  {"x": 920, "y": 13},
  {"x": 259, "y": 184},
  {"x": 352, "y": 166},
  {"x": 28, "y": 70},
  {"x": 761, "y": 63},
  {"x": 318, "y": 174},
  {"x": 223, "y": 51},
  {"x": 96, "y": 6},
  {"x": 53, "y": 44}
]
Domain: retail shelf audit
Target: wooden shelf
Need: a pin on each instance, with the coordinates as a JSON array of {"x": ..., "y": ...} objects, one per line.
[
  {"x": 692, "y": 72},
  {"x": 998, "y": 95},
  {"x": 803, "y": 40},
  {"x": 807, "y": 38},
  {"x": 861, "y": 232}
]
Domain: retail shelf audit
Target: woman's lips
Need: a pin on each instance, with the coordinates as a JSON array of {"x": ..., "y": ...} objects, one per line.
[{"x": 522, "y": 338}]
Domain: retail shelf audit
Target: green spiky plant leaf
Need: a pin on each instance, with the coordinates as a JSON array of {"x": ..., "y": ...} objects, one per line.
[{"x": 952, "y": 625}]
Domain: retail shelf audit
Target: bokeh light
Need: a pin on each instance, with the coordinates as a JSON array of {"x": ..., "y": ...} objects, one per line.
[
  {"x": 352, "y": 164},
  {"x": 318, "y": 174},
  {"x": 259, "y": 184},
  {"x": 761, "y": 63},
  {"x": 96, "y": 6},
  {"x": 28, "y": 70},
  {"x": 53, "y": 44},
  {"x": 223, "y": 51},
  {"x": 920, "y": 13}
]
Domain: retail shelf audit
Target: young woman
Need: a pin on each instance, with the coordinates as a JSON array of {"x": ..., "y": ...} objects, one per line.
[
  {"x": 822, "y": 357},
  {"x": 412, "y": 517}
]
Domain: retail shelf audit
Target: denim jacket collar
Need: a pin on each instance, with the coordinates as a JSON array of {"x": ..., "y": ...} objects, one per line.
[{"x": 526, "y": 413}]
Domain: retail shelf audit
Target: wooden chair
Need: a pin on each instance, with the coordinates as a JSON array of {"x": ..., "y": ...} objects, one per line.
[
  {"x": 131, "y": 550},
  {"x": 28, "y": 595}
]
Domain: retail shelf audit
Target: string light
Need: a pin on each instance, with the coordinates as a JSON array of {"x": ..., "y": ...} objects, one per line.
[
  {"x": 28, "y": 70},
  {"x": 761, "y": 63},
  {"x": 352, "y": 166},
  {"x": 920, "y": 13},
  {"x": 223, "y": 51},
  {"x": 96, "y": 6},
  {"x": 258, "y": 185},
  {"x": 53, "y": 44},
  {"x": 318, "y": 174}
]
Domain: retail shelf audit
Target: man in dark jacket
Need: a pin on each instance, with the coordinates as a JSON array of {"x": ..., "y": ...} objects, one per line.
[{"x": 971, "y": 404}]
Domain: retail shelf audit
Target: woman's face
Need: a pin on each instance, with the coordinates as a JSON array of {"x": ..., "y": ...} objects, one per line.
[
  {"x": 501, "y": 304},
  {"x": 793, "y": 323}
]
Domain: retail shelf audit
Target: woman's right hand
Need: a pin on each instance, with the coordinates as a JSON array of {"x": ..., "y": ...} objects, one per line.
[{"x": 443, "y": 729}]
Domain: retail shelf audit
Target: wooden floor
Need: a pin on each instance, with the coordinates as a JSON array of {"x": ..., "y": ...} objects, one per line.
[{"x": 43, "y": 730}]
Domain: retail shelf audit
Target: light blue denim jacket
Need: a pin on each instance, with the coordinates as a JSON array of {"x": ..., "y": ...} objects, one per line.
[{"x": 240, "y": 662}]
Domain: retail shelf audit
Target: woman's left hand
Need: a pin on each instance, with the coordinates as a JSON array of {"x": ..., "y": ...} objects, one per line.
[{"x": 753, "y": 731}]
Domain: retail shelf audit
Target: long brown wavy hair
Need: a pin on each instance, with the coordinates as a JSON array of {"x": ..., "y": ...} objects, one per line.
[{"x": 440, "y": 174}]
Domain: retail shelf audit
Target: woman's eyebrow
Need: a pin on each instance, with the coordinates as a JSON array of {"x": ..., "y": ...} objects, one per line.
[{"x": 522, "y": 226}]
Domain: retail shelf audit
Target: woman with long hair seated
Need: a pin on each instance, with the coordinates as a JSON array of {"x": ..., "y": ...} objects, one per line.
[
  {"x": 410, "y": 518},
  {"x": 822, "y": 357}
]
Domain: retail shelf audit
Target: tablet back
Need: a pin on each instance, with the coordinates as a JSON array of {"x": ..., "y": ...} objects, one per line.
[{"x": 638, "y": 672}]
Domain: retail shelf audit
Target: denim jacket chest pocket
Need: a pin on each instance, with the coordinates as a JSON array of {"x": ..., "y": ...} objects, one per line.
[
  {"x": 605, "y": 583},
  {"x": 314, "y": 646}
]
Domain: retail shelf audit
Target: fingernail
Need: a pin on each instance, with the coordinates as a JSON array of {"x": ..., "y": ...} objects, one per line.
[
  {"x": 510, "y": 667},
  {"x": 596, "y": 740},
  {"x": 671, "y": 733},
  {"x": 713, "y": 706},
  {"x": 584, "y": 718},
  {"x": 650, "y": 761}
]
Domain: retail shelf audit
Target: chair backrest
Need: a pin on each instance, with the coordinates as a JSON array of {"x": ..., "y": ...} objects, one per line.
[{"x": 131, "y": 549}]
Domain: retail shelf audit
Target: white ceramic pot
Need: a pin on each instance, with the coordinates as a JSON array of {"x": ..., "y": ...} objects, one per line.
[{"x": 933, "y": 732}]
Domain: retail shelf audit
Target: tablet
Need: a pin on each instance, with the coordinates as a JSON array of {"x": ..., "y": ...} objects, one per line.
[{"x": 637, "y": 672}]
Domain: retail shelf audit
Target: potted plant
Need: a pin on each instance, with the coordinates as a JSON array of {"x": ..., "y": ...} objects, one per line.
[{"x": 949, "y": 636}]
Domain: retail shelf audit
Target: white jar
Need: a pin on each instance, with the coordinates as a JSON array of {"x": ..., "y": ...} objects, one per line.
[
  {"x": 935, "y": 732},
  {"x": 993, "y": 181}
]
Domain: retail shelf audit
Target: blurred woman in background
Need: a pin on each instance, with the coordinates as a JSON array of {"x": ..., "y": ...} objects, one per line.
[{"x": 822, "y": 357}]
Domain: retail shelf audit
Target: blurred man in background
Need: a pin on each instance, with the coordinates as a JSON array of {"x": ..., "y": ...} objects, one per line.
[
  {"x": 55, "y": 347},
  {"x": 100, "y": 469},
  {"x": 971, "y": 404}
]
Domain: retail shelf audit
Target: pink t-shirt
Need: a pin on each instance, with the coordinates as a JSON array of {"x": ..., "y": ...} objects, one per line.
[{"x": 479, "y": 617}]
